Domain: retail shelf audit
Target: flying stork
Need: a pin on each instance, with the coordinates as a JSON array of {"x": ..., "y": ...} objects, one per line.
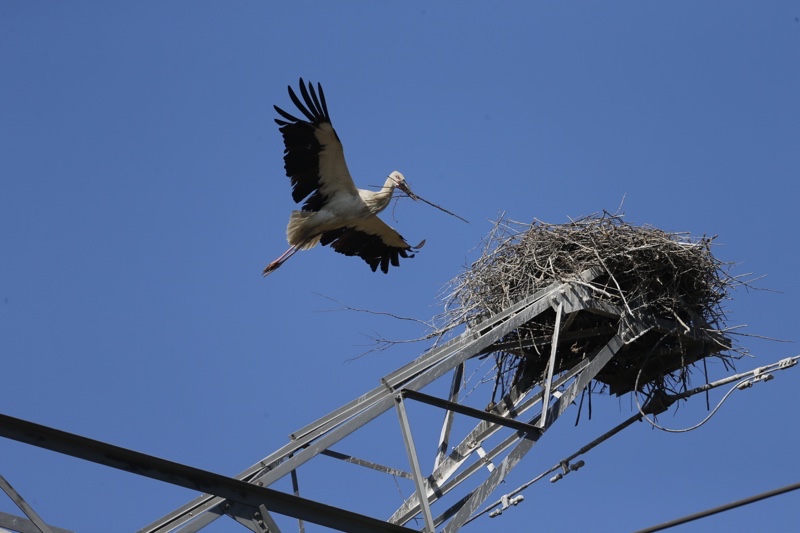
[{"x": 335, "y": 213}]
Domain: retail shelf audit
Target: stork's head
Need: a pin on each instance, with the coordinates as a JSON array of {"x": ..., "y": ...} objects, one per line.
[{"x": 400, "y": 182}]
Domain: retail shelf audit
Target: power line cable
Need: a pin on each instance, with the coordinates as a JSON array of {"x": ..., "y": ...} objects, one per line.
[
  {"x": 721, "y": 508},
  {"x": 655, "y": 404}
]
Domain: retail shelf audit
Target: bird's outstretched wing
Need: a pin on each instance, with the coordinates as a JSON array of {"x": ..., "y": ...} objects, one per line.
[
  {"x": 373, "y": 241},
  {"x": 313, "y": 155}
]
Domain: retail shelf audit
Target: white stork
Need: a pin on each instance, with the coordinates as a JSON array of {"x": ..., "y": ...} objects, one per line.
[{"x": 335, "y": 212}]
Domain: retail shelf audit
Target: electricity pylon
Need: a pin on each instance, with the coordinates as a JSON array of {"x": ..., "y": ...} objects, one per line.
[{"x": 465, "y": 471}]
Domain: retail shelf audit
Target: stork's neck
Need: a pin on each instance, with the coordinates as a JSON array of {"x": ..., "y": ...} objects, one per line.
[{"x": 378, "y": 200}]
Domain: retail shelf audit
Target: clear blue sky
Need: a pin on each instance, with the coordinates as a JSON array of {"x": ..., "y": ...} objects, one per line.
[{"x": 142, "y": 192}]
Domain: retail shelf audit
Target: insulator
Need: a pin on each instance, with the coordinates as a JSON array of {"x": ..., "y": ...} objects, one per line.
[{"x": 577, "y": 465}]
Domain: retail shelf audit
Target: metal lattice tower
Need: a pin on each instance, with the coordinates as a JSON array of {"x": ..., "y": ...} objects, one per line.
[
  {"x": 526, "y": 413},
  {"x": 465, "y": 472}
]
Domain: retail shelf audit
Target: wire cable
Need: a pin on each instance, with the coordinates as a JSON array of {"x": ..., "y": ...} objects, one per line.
[
  {"x": 706, "y": 419},
  {"x": 720, "y": 509},
  {"x": 745, "y": 379},
  {"x": 751, "y": 377}
]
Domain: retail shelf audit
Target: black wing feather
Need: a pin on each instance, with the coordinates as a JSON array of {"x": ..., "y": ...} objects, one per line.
[
  {"x": 322, "y": 111},
  {"x": 302, "y": 145},
  {"x": 287, "y": 116},
  {"x": 303, "y": 109},
  {"x": 370, "y": 248},
  {"x": 322, "y": 100},
  {"x": 307, "y": 99}
]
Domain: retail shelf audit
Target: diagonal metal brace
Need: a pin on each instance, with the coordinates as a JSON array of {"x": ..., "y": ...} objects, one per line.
[
  {"x": 23, "y": 506},
  {"x": 470, "y": 411}
]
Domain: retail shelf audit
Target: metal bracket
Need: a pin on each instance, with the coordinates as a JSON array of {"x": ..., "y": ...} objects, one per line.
[
  {"x": 23, "y": 506},
  {"x": 419, "y": 481}
]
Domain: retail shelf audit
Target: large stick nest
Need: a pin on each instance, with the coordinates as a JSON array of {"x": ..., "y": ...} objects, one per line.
[{"x": 646, "y": 271}]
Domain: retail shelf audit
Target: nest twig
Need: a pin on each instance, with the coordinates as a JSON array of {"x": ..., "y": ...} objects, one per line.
[{"x": 647, "y": 271}]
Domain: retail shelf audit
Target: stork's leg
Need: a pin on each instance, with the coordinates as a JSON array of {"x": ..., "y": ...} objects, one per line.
[{"x": 279, "y": 261}]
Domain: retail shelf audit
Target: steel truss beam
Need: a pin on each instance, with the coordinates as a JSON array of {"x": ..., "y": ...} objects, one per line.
[
  {"x": 20, "y": 502},
  {"x": 315, "y": 438},
  {"x": 23, "y": 525},
  {"x": 232, "y": 490},
  {"x": 556, "y": 393},
  {"x": 248, "y": 499}
]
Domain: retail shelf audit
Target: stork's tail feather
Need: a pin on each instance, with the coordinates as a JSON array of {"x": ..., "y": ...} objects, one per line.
[{"x": 297, "y": 230}]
